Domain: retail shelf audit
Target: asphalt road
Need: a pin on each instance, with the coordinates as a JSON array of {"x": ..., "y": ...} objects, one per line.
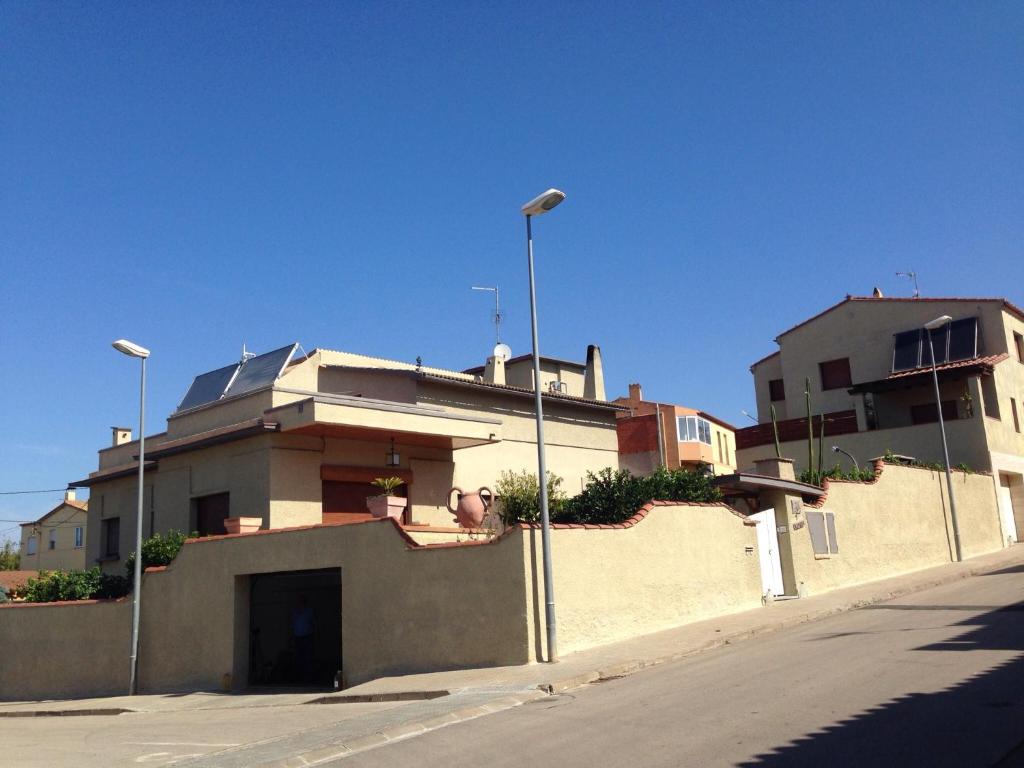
[{"x": 934, "y": 679}]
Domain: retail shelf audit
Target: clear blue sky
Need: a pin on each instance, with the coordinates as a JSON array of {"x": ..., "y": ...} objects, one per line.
[{"x": 196, "y": 176}]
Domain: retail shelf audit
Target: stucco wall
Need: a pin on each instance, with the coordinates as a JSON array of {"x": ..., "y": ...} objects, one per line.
[
  {"x": 64, "y": 650},
  {"x": 898, "y": 524},
  {"x": 673, "y": 564},
  {"x": 61, "y": 524},
  {"x": 404, "y": 609}
]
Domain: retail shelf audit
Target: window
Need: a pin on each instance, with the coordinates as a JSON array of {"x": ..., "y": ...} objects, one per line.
[
  {"x": 1013, "y": 409},
  {"x": 776, "y": 390},
  {"x": 925, "y": 413},
  {"x": 53, "y": 538},
  {"x": 693, "y": 429},
  {"x": 79, "y": 537},
  {"x": 835, "y": 374},
  {"x": 110, "y": 533},
  {"x": 721, "y": 451},
  {"x": 30, "y": 545},
  {"x": 1018, "y": 341},
  {"x": 988, "y": 395},
  {"x": 963, "y": 339},
  {"x": 957, "y": 340},
  {"x": 906, "y": 350},
  {"x": 822, "y": 527},
  {"x": 210, "y": 513}
]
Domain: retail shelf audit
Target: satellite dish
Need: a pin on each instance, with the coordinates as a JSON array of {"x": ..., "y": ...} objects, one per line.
[{"x": 503, "y": 352}]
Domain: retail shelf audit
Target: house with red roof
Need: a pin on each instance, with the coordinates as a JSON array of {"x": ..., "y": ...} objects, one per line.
[{"x": 866, "y": 365}]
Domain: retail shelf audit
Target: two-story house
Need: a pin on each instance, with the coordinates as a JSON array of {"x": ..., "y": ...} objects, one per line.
[
  {"x": 868, "y": 363},
  {"x": 653, "y": 435},
  {"x": 56, "y": 541},
  {"x": 294, "y": 440}
]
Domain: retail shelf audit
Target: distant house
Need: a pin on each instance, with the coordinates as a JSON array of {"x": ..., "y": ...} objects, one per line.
[
  {"x": 869, "y": 365},
  {"x": 57, "y": 540},
  {"x": 654, "y": 434},
  {"x": 294, "y": 439}
]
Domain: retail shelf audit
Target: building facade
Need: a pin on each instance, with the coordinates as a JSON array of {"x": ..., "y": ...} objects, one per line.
[
  {"x": 654, "y": 434},
  {"x": 57, "y": 540},
  {"x": 296, "y": 440},
  {"x": 868, "y": 364}
]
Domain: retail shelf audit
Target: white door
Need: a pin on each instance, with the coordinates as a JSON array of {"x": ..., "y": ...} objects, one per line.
[
  {"x": 768, "y": 552},
  {"x": 1006, "y": 508}
]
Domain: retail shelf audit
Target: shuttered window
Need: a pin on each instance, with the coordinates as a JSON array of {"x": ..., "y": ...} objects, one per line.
[
  {"x": 835, "y": 374},
  {"x": 776, "y": 390},
  {"x": 822, "y": 527}
]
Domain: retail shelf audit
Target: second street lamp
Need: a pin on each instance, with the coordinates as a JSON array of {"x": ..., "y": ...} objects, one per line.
[
  {"x": 542, "y": 204},
  {"x": 134, "y": 350},
  {"x": 934, "y": 325}
]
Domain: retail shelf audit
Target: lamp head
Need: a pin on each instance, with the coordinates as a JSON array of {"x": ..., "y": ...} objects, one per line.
[
  {"x": 835, "y": 449},
  {"x": 938, "y": 322},
  {"x": 131, "y": 349},
  {"x": 543, "y": 203}
]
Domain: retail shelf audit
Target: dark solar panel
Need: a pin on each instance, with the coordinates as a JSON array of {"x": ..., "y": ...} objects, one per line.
[
  {"x": 208, "y": 387},
  {"x": 261, "y": 370},
  {"x": 940, "y": 340},
  {"x": 963, "y": 339},
  {"x": 906, "y": 351}
]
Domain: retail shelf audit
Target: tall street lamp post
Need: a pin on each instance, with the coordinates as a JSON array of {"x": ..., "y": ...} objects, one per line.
[
  {"x": 542, "y": 204},
  {"x": 929, "y": 327},
  {"x": 134, "y": 350}
]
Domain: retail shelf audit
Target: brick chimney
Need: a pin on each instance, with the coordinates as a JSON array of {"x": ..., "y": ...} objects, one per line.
[
  {"x": 636, "y": 394},
  {"x": 121, "y": 435},
  {"x": 593, "y": 379}
]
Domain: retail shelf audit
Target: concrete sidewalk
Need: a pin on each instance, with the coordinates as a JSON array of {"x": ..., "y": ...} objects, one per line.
[{"x": 573, "y": 670}]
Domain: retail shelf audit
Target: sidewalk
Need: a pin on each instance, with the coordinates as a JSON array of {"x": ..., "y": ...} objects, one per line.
[{"x": 421, "y": 702}]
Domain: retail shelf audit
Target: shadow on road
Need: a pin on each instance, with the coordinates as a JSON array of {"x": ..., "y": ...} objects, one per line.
[{"x": 978, "y": 722}]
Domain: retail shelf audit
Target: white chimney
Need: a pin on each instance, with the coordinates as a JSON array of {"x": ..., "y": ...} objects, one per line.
[
  {"x": 121, "y": 435},
  {"x": 69, "y": 494},
  {"x": 494, "y": 370}
]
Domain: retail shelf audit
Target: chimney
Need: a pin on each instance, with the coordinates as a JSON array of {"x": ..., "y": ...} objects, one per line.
[
  {"x": 494, "y": 370},
  {"x": 69, "y": 494},
  {"x": 636, "y": 393},
  {"x": 122, "y": 435},
  {"x": 593, "y": 379}
]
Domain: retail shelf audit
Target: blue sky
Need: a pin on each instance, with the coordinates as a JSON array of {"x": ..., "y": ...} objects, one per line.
[{"x": 196, "y": 176}]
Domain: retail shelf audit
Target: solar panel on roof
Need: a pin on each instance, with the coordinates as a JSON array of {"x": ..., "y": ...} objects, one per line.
[
  {"x": 261, "y": 370},
  {"x": 208, "y": 387}
]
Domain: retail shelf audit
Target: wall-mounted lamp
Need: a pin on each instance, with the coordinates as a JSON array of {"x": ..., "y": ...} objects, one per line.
[{"x": 392, "y": 458}]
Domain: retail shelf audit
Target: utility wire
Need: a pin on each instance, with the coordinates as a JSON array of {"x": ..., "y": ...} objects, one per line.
[{"x": 47, "y": 490}]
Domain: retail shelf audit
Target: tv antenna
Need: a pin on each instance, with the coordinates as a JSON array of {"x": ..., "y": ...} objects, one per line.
[
  {"x": 497, "y": 310},
  {"x": 246, "y": 354},
  {"x": 911, "y": 276}
]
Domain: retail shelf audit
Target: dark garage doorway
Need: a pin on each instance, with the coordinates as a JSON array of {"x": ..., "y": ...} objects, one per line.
[{"x": 295, "y": 628}]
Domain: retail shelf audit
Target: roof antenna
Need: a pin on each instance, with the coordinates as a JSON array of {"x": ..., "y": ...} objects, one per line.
[
  {"x": 912, "y": 276},
  {"x": 246, "y": 354},
  {"x": 497, "y": 311}
]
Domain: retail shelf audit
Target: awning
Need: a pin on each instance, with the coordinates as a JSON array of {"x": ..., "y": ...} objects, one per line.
[
  {"x": 978, "y": 366},
  {"x": 749, "y": 484}
]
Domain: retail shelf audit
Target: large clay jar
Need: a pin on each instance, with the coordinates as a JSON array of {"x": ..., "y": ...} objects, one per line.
[{"x": 472, "y": 507}]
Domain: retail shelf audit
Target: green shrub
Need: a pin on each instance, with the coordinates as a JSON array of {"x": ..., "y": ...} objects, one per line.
[
  {"x": 836, "y": 473},
  {"x": 52, "y": 586},
  {"x": 158, "y": 550},
  {"x": 613, "y": 496},
  {"x": 519, "y": 497}
]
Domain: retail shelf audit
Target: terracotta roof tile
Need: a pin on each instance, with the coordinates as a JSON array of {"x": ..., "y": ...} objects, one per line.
[{"x": 989, "y": 360}]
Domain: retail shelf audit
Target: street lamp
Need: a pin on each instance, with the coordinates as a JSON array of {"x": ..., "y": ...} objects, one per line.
[
  {"x": 134, "y": 350},
  {"x": 542, "y": 204},
  {"x": 929, "y": 327},
  {"x": 847, "y": 454}
]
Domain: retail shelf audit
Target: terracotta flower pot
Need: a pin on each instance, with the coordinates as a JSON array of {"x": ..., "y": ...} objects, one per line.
[
  {"x": 242, "y": 524},
  {"x": 386, "y": 506}
]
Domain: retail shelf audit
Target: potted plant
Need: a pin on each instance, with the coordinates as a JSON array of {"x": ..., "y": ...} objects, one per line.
[{"x": 387, "y": 504}]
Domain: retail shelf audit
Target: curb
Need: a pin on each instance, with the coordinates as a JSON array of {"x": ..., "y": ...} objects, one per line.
[
  {"x": 400, "y": 732},
  {"x": 626, "y": 668},
  {"x": 370, "y": 698},
  {"x": 65, "y": 712}
]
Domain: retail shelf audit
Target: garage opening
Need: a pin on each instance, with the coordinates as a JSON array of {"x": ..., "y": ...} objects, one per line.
[{"x": 295, "y": 628}]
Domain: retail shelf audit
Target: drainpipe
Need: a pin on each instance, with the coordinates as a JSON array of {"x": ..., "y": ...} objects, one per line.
[{"x": 661, "y": 435}]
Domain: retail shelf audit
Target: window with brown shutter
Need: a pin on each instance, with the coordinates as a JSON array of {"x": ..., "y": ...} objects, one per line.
[
  {"x": 835, "y": 374},
  {"x": 776, "y": 390}
]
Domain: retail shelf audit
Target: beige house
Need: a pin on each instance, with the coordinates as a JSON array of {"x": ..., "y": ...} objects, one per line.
[
  {"x": 869, "y": 366},
  {"x": 57, "y": 540},
  {"x": 654, "y": 434},
  {"x": 296, "y": 440}
]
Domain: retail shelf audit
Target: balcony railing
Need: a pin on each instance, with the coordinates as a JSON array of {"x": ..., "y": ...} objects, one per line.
[{"x": 836, "y": 423}]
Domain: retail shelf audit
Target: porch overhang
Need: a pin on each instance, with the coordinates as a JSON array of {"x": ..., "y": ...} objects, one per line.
[
  {"x": 357, "y": 418},
  {"x": 981, "y": 366},
  {"x": 748, "y": 485}
]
